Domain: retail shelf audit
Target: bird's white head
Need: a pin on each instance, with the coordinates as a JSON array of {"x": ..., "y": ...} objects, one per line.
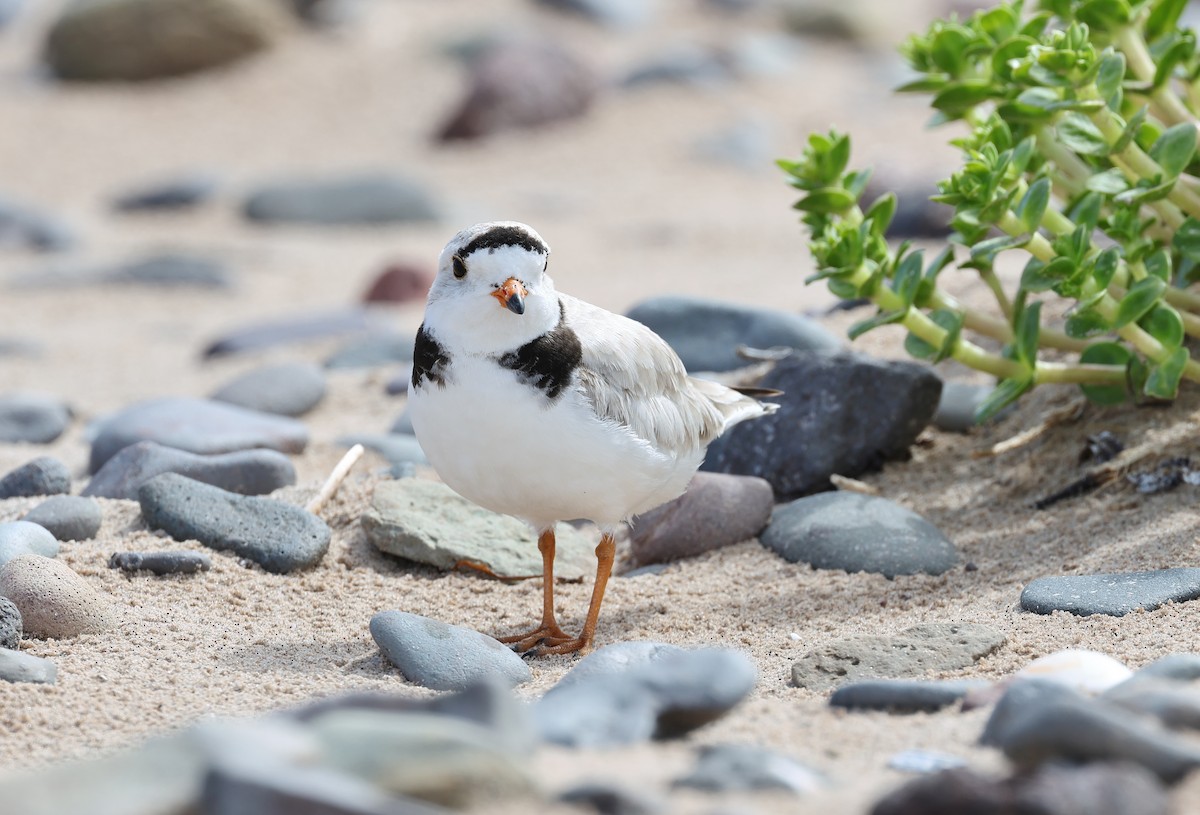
[{"x": 492, "y": 293}]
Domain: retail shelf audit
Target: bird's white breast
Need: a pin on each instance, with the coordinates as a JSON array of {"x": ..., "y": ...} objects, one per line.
[{"x": 504, "y": 445}]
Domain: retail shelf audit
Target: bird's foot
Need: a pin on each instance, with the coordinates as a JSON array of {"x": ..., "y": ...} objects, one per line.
[
  {"x": 570, "y": 645},
  {"x": 546, "y": 633}
]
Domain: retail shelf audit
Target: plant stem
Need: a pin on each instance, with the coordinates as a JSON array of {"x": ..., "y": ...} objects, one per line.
[{"x": 1130, "y": 41}]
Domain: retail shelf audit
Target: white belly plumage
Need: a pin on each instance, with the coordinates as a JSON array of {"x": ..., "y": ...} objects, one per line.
[{"x": 505, "y": 446}]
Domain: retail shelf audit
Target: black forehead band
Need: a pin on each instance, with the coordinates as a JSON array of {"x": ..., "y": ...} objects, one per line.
[{"x": 499, "y": 236}]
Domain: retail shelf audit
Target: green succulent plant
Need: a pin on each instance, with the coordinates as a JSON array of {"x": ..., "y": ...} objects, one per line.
[{"x": 1080, "y": 152}]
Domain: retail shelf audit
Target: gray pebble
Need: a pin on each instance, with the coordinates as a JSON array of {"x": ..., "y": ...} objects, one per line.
[
  {"x": 180, "y": 192},
  {"x": 67, "y": 517},
  {"x": 957, "y": 406},
  {"x": 286, "y": 389},
  {"x": 397, "y": 448},
  {"x": 707, "y": 333},
  {"x": 43, "y": 475},
  {"x": 717, "y": 510},
  {"x": 913, "y": 653},
  {"x": 17, "y": 666},
  {"x": 290, "y": 331},
  {"x": 279, "y": 537},
  {"x": 622, "y": 14},
  {"x": 362, "y": 199},
  {"x": 33, "y": 418},
  {"x": 436, "y": 655},
  {"x": 857, "y": 533},
  {"x": 24, "y": 538},
  {"x": 736, "y": 767},
  {"x": 607, "y": 798},
  {"x": 161, "y": 563},
  {"x": 169, "y": 270},
  {"x": 373, "y": 351},
  {"x": 840, "y": 413},
  {"x": 901, "y": 695},
  {"x": 1182, "y": 667},
  {"x": 923, "y": 761},
  {"x": 1113, "y": 594},
  {"x": 10, "y": 624},
  {"x": 246, "y": 472},
  {"x": 26, "y": 226},
  {"x": 661, "y": 694},
  {"x": 198, "y": 426}
]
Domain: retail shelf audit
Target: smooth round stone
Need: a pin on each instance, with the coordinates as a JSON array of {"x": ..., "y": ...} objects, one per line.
[
  {"x": 662, "y": 694},
  {"x": 198, "y": 426},
  {"x": 54, "y": 601},
  {"x": 1087, "y": 671},
  {"x": 1113, "y": 594},
  {"x": 131, "y": 40},
  {"x": 161, "y": 563},
  {"x": 840, "y": 413},
  {"x": 1175, "y": 704},
  {"x": 41, "y": 476},
  {"x": 706, "y": 333},
  {"x": 67, "y": 517},
  {"x": 246, "y": 472},
  {"x": 362, "y": 199},
  {"x": 373, "y": 351},
  {"x": 957, "y": 406},
  {"x": 857, "y": 533},
  {"x": 10, "y": 623},
  {"x": 436, "y": 655},
  {"x": 16, "y": 666},
  {"x": 913, "y": 653},
  {"x": 739, "y": 767},
  {"x": 290, "y": 331},
  {"x": 1182, "y": 667},
  {"x": 24, "y": 538},
  {"x": 901, "y": 695},
  {"x": 397, "y": 448},
  {"x": 717, "y": 510},
  {"x": 169, "y": 270},
  {"x": 287, "y": 389},
  {"x": 33, "y": 418},
  {"x": 279, "y": 537},
  {"x": 30, "y": 227},
  {"x": 180, "y": 192}
]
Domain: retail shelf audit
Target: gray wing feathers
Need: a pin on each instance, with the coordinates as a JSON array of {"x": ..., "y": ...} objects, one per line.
[{"x": 633, "y": 378}]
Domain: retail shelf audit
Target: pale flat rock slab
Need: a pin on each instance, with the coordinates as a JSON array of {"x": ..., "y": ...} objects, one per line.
[{"x": 427, "y": 522}]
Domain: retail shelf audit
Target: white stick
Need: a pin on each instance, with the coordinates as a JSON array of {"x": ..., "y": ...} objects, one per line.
[{"x": 335, "y": 479}]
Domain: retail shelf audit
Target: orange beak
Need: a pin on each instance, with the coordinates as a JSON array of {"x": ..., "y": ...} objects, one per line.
[{"x": 512, "y": 294}]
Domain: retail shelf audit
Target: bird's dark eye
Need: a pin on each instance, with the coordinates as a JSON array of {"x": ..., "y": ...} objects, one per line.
[{"x": 460, "y": 267}]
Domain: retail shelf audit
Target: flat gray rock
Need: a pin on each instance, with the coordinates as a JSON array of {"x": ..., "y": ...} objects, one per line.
[
  {"x": 397, "y": 448},
  {"x": 742, "y": 767},
  {"x": 10, "y": 624},
  {"x": 246, "y": 472},
  {"x": 33, "y": 418},
  {"x": 643, "y": 691},
  {"x": 16, "y": 666},
  {"x": 427, "y": 522},
  {"x": 373, "y": 351},
  {"x": 161, "y": 563},
  {"x": 279, "y": 537},
  {"x": 24, "y": 538},
  {"x": 440, "y": 656},
  {"x": 290, "y": 331},
  {"x": 857, "y": 533},
  {"x": 67, "y": 517},
  {"x": 913, "y": 653},
  {"x": 174, "y": 193},
  {"x": 362, "y": 199},
  {"x": 1112, "y": 594},
  {"x": 1175, "y": 704},
  {"x": 717, "y": 510},
  {"x": 1181, "y": 667},
  {"x": 902, "y": 695},
  {"x": 198, "y": 426},
  {"x": 707, "y": 333},
  {"x": 286, "y": 389},
  {"x": 43, "y": 475}
]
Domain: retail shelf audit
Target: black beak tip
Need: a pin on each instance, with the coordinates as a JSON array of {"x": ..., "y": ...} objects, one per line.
[{"x": 516, "y": 304}]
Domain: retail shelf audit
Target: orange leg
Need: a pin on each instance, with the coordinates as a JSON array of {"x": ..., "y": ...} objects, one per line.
[
  {"x": 583, "y": 643},
  {"x": 548, "y": 630}
]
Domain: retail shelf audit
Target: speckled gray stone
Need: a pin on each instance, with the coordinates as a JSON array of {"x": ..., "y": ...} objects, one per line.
[
  {"x": 1112, "y": 594},
  {"x": 195, "y": 425},
  {"x": 902, "y": 695},
  {"x": 428, "y": 522},
  {"x": 67, "y": 517},
  {"x": 366, "y": 198},
  {"x": 246, "y": 472},
  {"x": 55, "y": 602},
  {"x": 285, "y": 389},
  {"x": 857, "y": 533},
  {"x": 161, "y": 563},
  {"x": 43, "y": 475},
  {"x": 913, "y": 653},
  {"x": 33, "y": 418},
  {"x": 24, "y": 538},
  {"x": 440, "y": 656},
  {"x": 10, "y": 624},
  {"x": 279, "y": 537}
]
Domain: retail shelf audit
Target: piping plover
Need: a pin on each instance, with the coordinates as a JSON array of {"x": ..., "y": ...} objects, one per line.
[{"x": 538, "y": 405}]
